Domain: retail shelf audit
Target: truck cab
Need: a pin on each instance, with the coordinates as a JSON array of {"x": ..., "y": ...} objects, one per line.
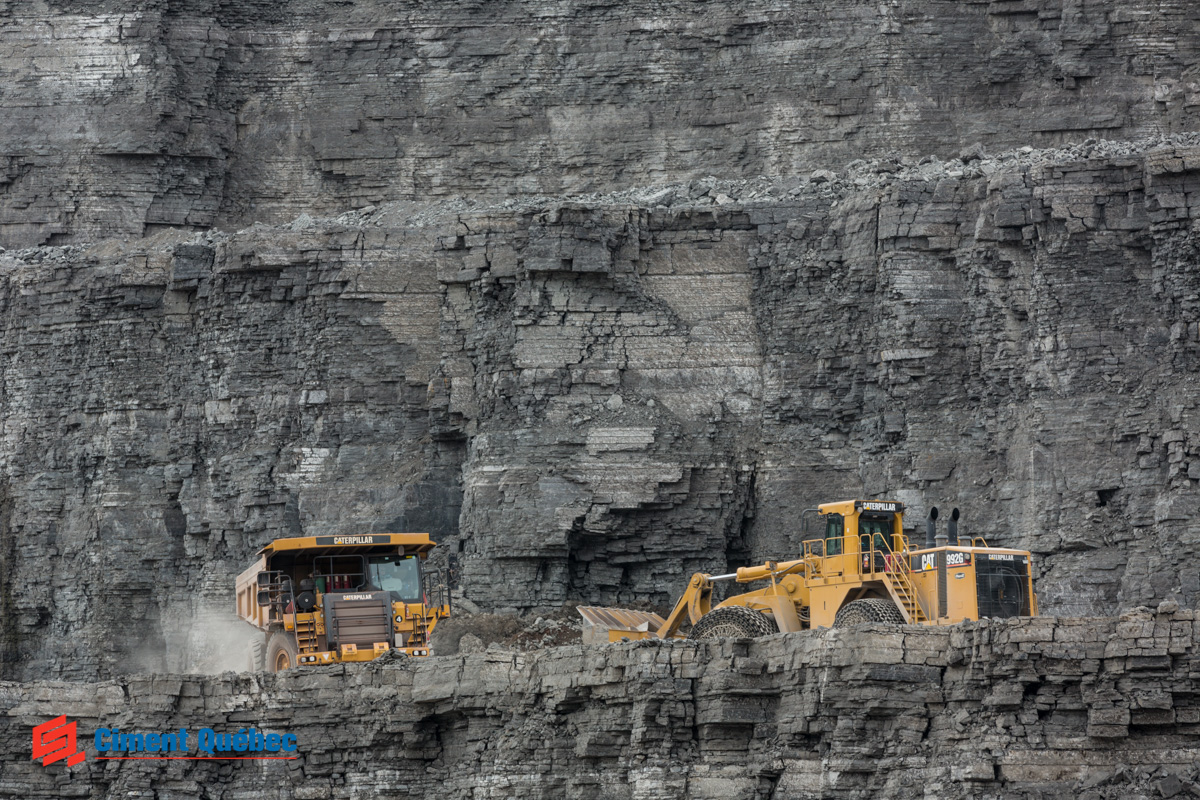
[{"x": 330, "y": 599}]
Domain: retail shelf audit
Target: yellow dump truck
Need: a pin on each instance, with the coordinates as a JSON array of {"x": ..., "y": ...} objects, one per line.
[
  {"x": 329, "y": 599},
  {"x": 861, "y": 568}
]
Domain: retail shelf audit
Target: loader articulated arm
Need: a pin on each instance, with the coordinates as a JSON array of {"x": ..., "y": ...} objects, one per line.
[
  {"x": 780, "y": 599},
  {"x": 697, "y": 598},
  {"x": 696, "y": 601},
  {"x": 771, "y": 568}
]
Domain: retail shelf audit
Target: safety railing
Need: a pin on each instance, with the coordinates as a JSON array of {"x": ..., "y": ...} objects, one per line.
[
  {"x": 435, "y": 585},
  {"x": 339, "y": 573},
  {"x": 888, "y": 559},
  {"x": 889, "y": 563},
  {"x": 917, "y": 612},
  {"x": 830, "y": 558}
]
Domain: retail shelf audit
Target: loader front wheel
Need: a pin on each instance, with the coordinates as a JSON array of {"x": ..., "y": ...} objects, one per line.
[
  {"x": 871, "y": 609},
  {"x": 281, "y": 653},
  {"x": 735, "y": 621}
]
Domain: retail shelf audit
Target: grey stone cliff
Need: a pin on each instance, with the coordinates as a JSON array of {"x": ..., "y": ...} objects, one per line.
[
  {"x": 586, "y": 401},
  {"x": 130, "y": 116},
  {"x": 600, "y": 295}
]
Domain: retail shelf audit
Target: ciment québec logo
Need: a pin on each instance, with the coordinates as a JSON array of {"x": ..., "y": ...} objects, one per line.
[{"x": 55, "y": 740}]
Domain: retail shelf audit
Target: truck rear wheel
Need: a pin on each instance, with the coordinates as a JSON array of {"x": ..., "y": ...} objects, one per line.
[
  {"x": 736, "y": 621},
  {"x": 254, "y": 656},
  {"x": 281, "y": 653},
  {"x": 871, "y": 609}
]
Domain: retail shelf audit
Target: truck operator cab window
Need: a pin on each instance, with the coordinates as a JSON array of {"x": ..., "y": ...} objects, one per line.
[{"x": 400, "y": 575}]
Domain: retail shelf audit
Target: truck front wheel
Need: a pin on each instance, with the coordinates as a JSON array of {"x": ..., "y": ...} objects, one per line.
[{"x": 281, "y": 653}]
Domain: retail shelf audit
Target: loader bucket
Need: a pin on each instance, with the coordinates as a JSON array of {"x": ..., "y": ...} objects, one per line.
[{"x": 604, "y": 625}]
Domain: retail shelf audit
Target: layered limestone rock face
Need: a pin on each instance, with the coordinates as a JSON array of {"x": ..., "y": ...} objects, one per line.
[
  {"x": 586, "y": 401},
  {"x": 660, "y": 388},
  {"x": 130, "y": 116},
  {"x": 1089, "y": 708},
  {"x": 170, "y": 406},
  {"x": 600, "y": 295}
]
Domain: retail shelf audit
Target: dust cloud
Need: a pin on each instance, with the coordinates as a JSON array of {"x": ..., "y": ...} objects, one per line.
[{"x": 211, "y": 641}]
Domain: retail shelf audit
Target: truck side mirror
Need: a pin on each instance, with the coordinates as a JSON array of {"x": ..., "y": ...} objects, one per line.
[
  {"x": 264, "y": 598},
  {"x": 264, "y": 579}
]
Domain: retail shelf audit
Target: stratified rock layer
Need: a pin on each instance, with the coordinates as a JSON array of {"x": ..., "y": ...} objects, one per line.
[
  {"x": 612, "y": 298},
  {"x": 657, "y": 388},
  {"x": 128, "y": 116},
  {"x": 172, "y": 406},
  {"x": 585, "y": 401},
  {"x": 1102, "y": 708}
]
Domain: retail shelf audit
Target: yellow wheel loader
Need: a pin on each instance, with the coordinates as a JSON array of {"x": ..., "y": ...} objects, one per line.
[
  {"x": 330, "y": 599},
  {"x": 861, "y": 568}
]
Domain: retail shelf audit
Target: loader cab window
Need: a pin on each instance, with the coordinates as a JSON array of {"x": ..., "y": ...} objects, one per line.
[
  {"x": 875, "y": 530},
  {"x": 400, "y": 575},
  {"x": 834, "y": 529}
]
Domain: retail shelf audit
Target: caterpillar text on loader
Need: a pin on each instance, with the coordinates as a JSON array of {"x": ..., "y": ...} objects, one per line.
[
  {"x": 328, "y": 599},
  {"x": 861, "y": 569}
]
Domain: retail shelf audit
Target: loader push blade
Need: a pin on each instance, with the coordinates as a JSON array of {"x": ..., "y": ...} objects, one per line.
[{"x": 604, "y": 625}]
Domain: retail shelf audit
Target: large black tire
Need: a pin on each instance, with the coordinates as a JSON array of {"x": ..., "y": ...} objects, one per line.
[
  {"x": 871, "y": 609},
  {"x": 281, "y": 653},
  {"x": 254, "y": 655},
  {"x": 736, "y": 621}
]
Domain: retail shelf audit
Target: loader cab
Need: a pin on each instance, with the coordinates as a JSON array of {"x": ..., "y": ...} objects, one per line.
[
  {"x": 875, "y": 529},
  {"x": 853, "y": 531}
]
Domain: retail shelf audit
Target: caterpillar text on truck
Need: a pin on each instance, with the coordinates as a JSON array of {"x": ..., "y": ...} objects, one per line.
[
  {"x": 860, "y": 568},
  {"x": 331, "y": 599}
]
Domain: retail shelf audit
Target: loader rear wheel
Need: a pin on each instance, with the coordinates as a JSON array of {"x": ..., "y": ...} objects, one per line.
[
  {"x": 281, "y": 653},
  {"x": 736, "y": 621},
  {"x": 871, "y": 609},
  {"x": 254, "y": 656}
]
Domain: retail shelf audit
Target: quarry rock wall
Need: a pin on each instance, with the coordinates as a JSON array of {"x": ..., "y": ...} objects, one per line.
[
  {"x": 585, "y": 401},
  {"x": 125, "y": 117},
  {"x": 600, "y": 295},
  {"x": 1096, "y": 708},
  {"x": 661, "y": 389},
  {"x": 171, "y": 406}
]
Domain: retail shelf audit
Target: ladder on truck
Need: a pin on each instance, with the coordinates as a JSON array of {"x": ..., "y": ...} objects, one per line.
[
  {"x": 306, "y": 632},
  {"x": 420, "y": 634}
]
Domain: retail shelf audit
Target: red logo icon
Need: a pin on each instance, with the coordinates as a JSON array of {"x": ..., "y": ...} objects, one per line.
[{"x": 54, "y": 741}]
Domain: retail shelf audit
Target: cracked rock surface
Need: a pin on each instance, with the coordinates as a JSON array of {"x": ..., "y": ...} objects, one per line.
[
  {"x": 586, "y": 400},
  {"x": 131, "y": 116},
  {"x": 600, "y": 295},
  {"x": 1093, "y": 708}
]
